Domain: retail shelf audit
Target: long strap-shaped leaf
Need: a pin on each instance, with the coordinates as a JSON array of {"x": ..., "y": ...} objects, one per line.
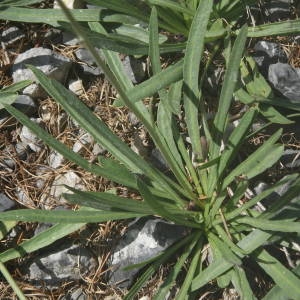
[
  {"x": 49, "y": 16},
  {"x": 170, "y": 281},
  {"x": 285, "y": 279},
  {"x": 230, "y": 81},
  {"x": 277, "y": 28},
  {"x": 155, "y": 83},
  {"x": 107, "y": 201},
  {"x": 165, "y": 122},
  {"x": 219, "y": 124},
  {"x": 40, "y": 240},
  {"x": 251, "y": 242},
  {"x": 276, "y": 293},
  {"x": 194, "y": 50},
  {"x": 173, "y": 5},
  {"x": 257, "y": 162},
  {"x": 283, "y": 226},
  {"x": 88, "y": 215},
  {"x": 11, "y": 281}
]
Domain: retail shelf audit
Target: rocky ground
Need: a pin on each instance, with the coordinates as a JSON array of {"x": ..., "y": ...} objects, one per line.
[{"x": 31, "y": 174}]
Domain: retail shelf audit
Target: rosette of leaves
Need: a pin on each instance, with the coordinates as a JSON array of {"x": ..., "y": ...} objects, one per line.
[{"x": 205, "y": 192}]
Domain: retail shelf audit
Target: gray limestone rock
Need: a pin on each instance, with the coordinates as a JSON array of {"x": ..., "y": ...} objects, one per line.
[
  {"x": 70, "y": 39},
  {"x": 75, "y": 295},
  {"x": 49, "y": 62},
  {"x": 5, "y": 203},
  {"x": 286, "y": 80},
  {"x": 158, "y": 160},
  {"x": 54, "y": 36},
  {"x": 12, "y": 35},
  {"x": 76, "y": 86},
  {"x": 30, "y": 139},
  {"x": 132, "y": 118},
  {"x": 134, "y": 69},
  {"x": 56, "y": 266},
  {"x": 23, "y": 103},
  {"x": 84, "y": 141},
  {"x": 290, "y": 159},
  {"x": 55, "y": 159},
  {"x": 144, "y": 239},
  {"x": 267, "y": 53},
  {"x": 70, "y": 179},
  {"x": 278, "y": 9},
  {"x": 277, "y": 194},
  {"x": 89, "y": 66},
  {"x": 12, "y": 153}
]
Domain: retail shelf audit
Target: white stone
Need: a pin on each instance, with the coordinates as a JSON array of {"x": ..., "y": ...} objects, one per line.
[
  {"x": 70, "y": 179},
  {"x": 76, "y": 87},
  {"x": 55, "y": 160},
  {"x": 84, "y": 141},
  {"x": 12, "y": 35},
  {"x": 29, "y": 138},
  {"x": 52, "y": 64},
  {"x": 72, "y": 4},
  {"x": 5, "y": 203}
]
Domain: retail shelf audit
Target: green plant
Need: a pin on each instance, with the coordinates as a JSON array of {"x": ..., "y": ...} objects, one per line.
[{"x": 204, "y": 193}]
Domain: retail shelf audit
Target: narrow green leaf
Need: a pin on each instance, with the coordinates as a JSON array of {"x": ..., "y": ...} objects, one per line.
[
  {"x": 40, "y": 240},
  {"x": 173, "y": 6},
  {"x": 174, "y": 97},
  {"x": 165, "y": 122},
  {"x": 221, "y": 250},
  {"x": 224, "y": 236},
  {"x": 284, "y": 226},
  {"x": 257, "y": 162},
  {"x": 97, "y": 128},
  {"x": 115, "y": 167},
  {"x": 107, "y": 201},
  {"x": 123, "y": 7},
  {"x": 183, "y": 292},
  {"x": 284, "y": 278},
  {"x": 155, "y": 83},
  {"x": 239, "y": 192},
  {"x": 48, "y": 16},
  {"x": 7, "y": 98},
  {"x": 5, "y": 227},
  {"x": 113, "y": 59},
  {"x": 276, "y": 28},
  {"x": 241, "y": 284},
  {"x": 238, "y": 211},
  {"x": 194, "y": 50},
  {"x": 273, "y": 115},
  {"x": 11, "y": 281},
  {"x": 139, "y": 33},
  {"x": 19, "y": 2},
  {"x": 114, "y": 141},
  {"x": 170, "y": 280},
  {"x": 230, "y": 81},
  {"x": 16, "y": 87},
  {"x": 276, "y": 293},
  {"x": 249, "y": 243},
  {"x": 235, "y": 140},
  {"x": 68, "y": 217}
]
